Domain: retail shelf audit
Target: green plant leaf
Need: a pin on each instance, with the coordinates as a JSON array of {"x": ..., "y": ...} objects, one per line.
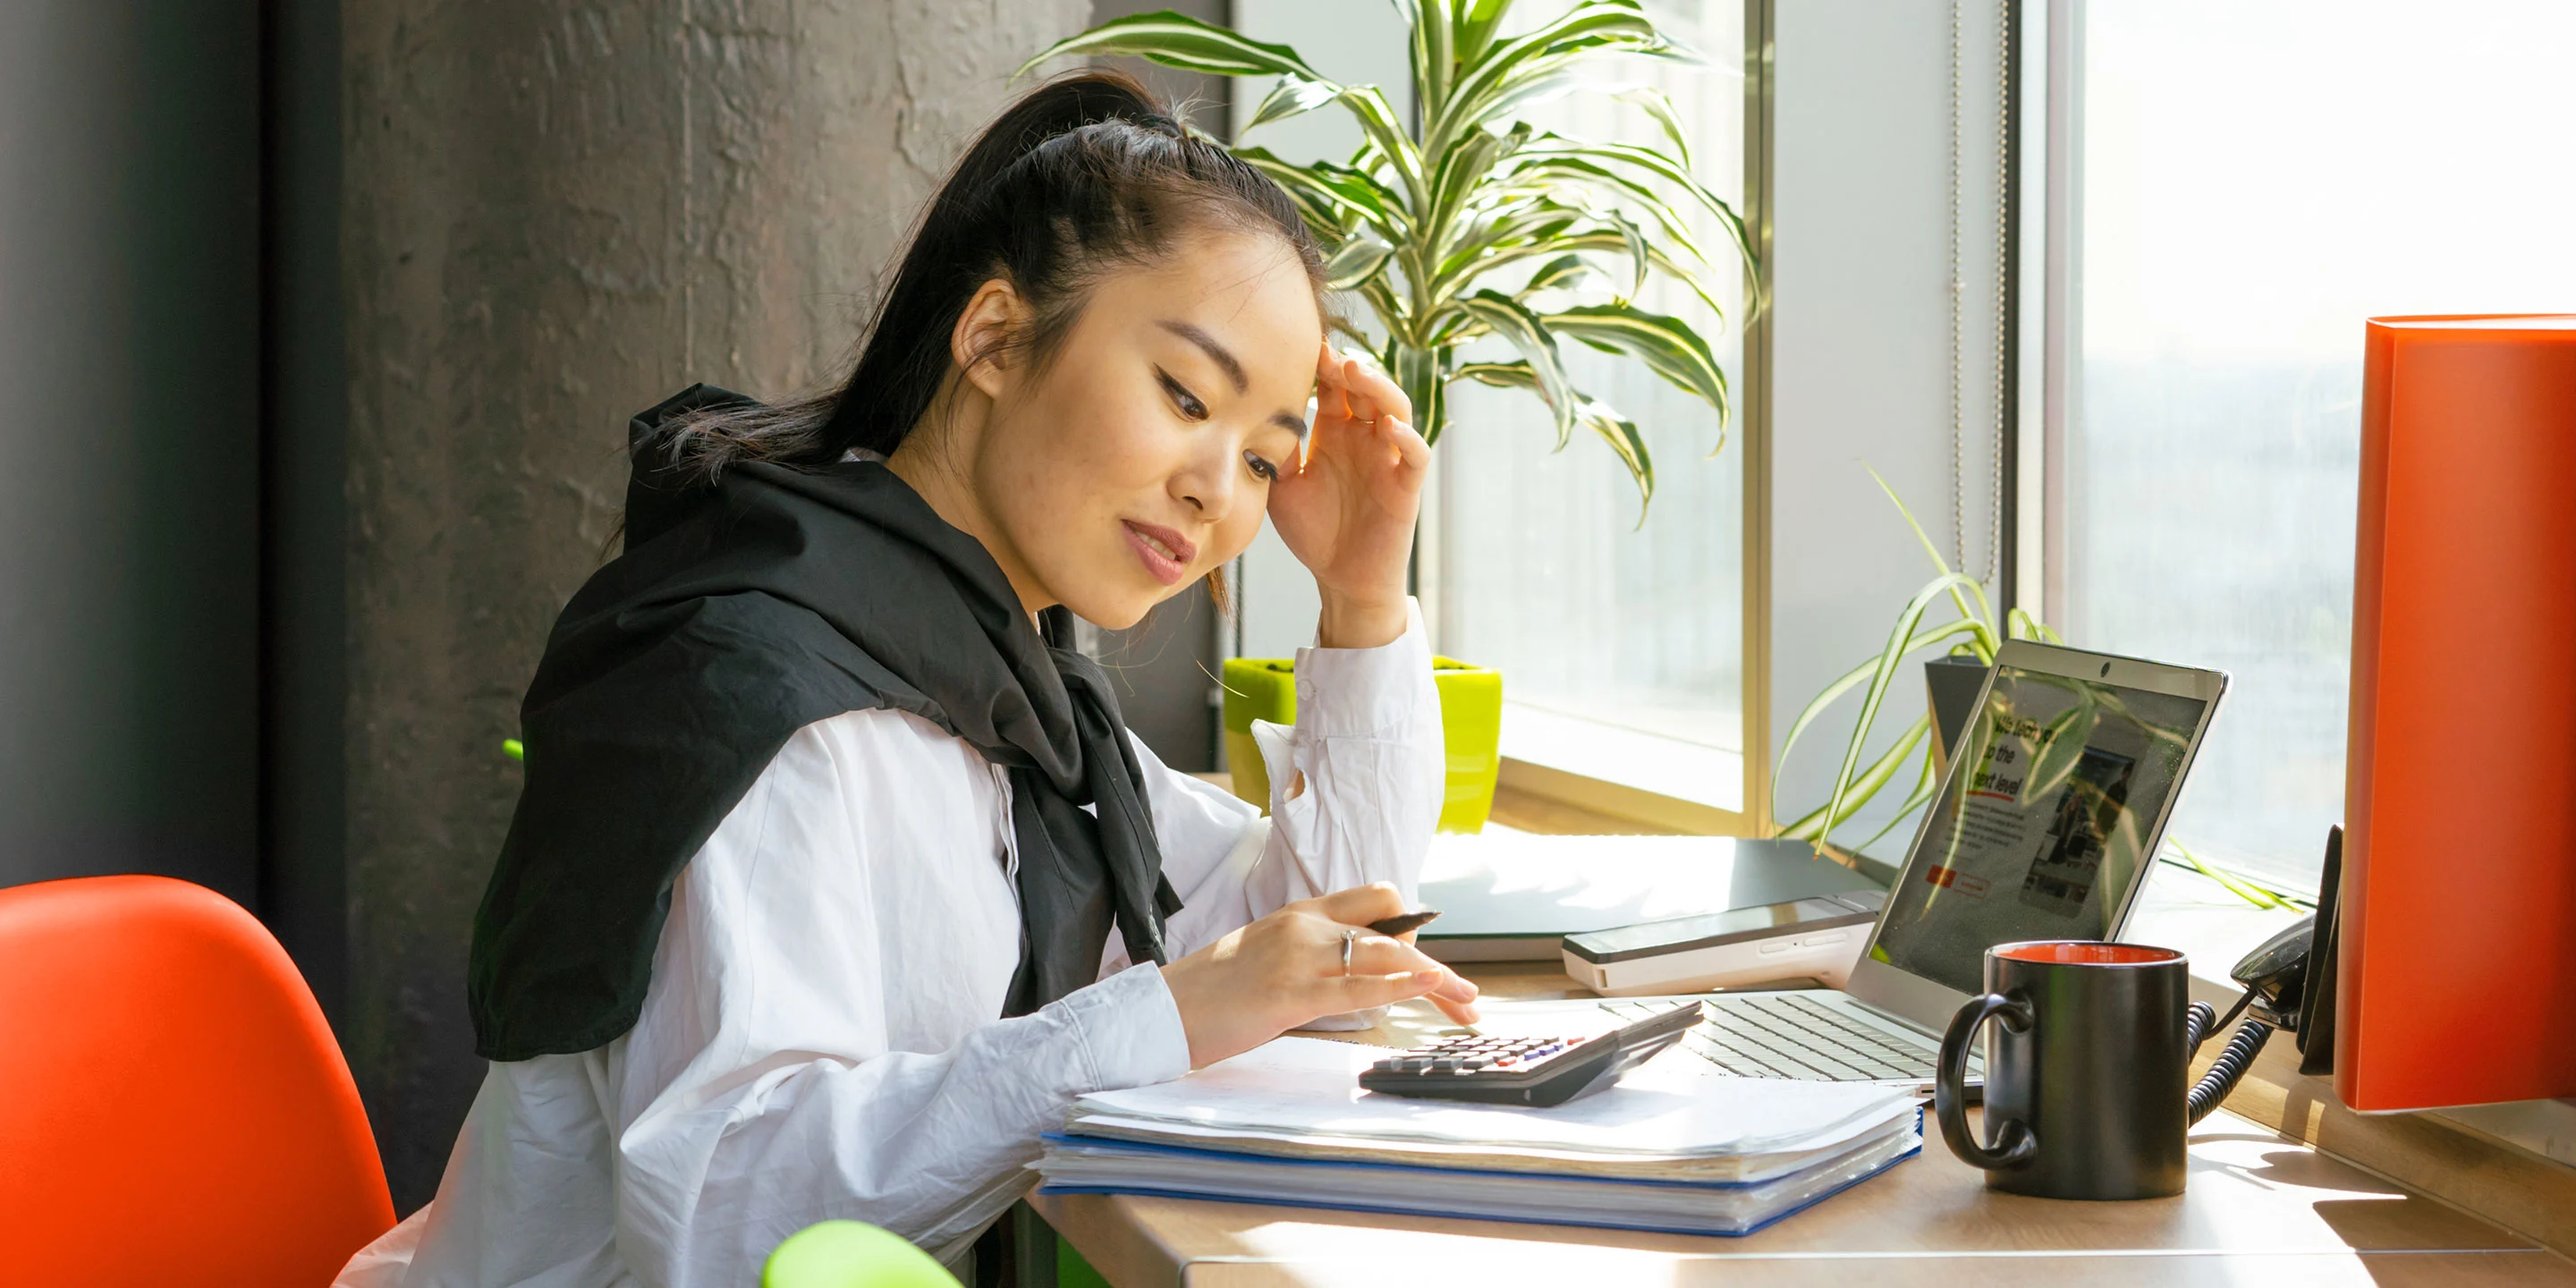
[
  {"x": 1925, "y": 783},
  {"x": 1881, "y": 675},
  {"x": 1658, "y": 106},
  {"x": 1293, "y": 96},
  {"x": 1356, "y": 260},
  {"x": 1458, "y": 172},
  {"x": 1845, "y": 683},
  {"x": 1476, "y": 21},
  {"x": 1564, "y": 176},
  {"x": 1391, "y": 313},
  {"x": 1385, "y": 130},
  {"x": 1667, "y": 345},
  {"x": 2023, "y": 626},
  {"x": 1639, "y": 257},
  {"x": 1465, "y": 269},
  {"x": 1531, "y": 228},
  {"x": 1653, "y": 163},
  {"x": 1818, "y": 824},
  {"x": 1362, "y": 192},
  {"x": 1579, "y": 74},
  {"x": 1430, "y": 51},
  {"x": 1485, "y": 85},
  {"x": 2253, "y": 889},
  {"x": 1515, "y": 374},
  {"x": 1322, "y": 204},
  {"x": 1562, "y": 271},
  {"x": 1178, "y": 41},
  {"x": 1418, "y": 372},
  {"x": 1983, "y": 612},
  {"x": 2250, "y": 894},
  {"x": 1627, "y": 441},
  {"x": 1507, "y": 318}
]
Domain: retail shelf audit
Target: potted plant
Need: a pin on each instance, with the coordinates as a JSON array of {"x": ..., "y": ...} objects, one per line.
[
  {"x": 1471, "y": 723},
  {"x": 1952, "y": 678},
  {"x": 1471, "y": 224}
]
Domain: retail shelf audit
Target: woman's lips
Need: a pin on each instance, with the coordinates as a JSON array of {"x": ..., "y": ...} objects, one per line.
[{"x": 1166, "y": 554}]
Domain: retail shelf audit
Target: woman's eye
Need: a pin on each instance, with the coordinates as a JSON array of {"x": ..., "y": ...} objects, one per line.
[
  {"x": 1261, "y": 469},
  {"x": 1182, "y": 398}
]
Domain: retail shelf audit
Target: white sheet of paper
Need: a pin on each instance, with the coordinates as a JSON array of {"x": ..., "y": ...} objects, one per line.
[{"x": 1672, "y": 1105}]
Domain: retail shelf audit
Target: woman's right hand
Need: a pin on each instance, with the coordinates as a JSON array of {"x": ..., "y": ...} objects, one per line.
[{"x": 1286, "y": 970}]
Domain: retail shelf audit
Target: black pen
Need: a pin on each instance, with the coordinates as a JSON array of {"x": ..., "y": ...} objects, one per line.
[{"x": 1399, "y": 925}]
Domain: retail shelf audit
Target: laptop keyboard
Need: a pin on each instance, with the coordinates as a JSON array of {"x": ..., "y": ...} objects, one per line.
[{"x": 1791, "y": 1035}]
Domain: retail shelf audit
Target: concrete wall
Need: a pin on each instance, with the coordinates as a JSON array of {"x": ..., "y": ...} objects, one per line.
[
  {"x": 554, "y": 215},
  {"x": 129, "y": 449}
]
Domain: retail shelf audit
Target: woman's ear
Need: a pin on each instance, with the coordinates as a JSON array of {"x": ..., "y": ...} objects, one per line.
[{"x": 981, "y": 342}]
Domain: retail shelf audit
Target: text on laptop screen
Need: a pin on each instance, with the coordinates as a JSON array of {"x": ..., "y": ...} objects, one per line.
[{"x": 2038, "y": 835}]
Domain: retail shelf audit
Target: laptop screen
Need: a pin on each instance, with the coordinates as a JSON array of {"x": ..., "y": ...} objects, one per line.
[{"x": 2037, "y": 835}]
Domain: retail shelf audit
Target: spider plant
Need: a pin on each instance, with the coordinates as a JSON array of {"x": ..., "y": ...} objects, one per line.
[
  {"x": 1470, "y": 223},
  {"x": 1975, "y": 633}
]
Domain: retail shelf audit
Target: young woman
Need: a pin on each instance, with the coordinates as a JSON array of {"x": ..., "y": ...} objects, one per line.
[{"x": 832, "y": 883}]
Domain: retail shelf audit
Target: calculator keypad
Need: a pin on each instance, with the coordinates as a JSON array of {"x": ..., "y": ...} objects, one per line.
[
  {"x": 1471, "y": 1054},
  {"x": 1532, "y": 1071}
]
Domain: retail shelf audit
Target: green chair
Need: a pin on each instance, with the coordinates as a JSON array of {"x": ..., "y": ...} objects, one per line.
[{"x": 851, "y": 1254}]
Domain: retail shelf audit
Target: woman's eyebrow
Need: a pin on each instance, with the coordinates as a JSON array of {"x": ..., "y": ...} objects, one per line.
[
  {"x": 1224, "y": 357},
  {"x": 1216, "y": 353}
]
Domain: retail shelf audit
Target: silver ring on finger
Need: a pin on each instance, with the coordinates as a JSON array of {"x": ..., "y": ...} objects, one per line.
[{"x": 1350, "y": 940}]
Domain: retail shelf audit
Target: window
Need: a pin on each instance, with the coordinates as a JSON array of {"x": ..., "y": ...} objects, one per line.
[
  {"x": 1622, "y": 646},
  {"x": 2254, "y": 181}
]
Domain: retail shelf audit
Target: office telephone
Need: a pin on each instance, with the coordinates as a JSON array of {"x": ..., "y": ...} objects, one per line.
[{"x": 2289, "y": 987}]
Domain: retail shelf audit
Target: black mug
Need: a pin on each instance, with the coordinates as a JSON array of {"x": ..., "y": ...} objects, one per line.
[{"x": 2085, "y": 1076}]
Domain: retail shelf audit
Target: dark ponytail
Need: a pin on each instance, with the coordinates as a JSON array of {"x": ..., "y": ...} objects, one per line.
[{"x": 1082, "y": 174}]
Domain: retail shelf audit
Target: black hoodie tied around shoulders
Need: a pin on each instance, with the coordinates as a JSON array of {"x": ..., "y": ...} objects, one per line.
[{"x": 739, "y": 612}]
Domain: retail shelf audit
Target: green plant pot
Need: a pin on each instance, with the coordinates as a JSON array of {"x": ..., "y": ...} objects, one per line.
[{"x": 1471, "y": 722}]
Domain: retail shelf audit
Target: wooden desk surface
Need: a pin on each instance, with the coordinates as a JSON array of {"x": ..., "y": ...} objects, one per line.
[{"x": 2260, "y": 1208}]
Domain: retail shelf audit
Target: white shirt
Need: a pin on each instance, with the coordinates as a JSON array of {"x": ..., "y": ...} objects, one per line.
[{"x": 820, "y": 1036}]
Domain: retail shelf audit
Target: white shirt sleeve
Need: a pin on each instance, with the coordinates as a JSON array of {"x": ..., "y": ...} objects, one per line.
[
  {"x": 818, "y": 1041},
  {"x": 1355, "y": 791}
]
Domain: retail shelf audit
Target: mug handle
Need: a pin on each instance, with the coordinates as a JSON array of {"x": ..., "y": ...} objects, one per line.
[{"x": 2014, "y": 1143}]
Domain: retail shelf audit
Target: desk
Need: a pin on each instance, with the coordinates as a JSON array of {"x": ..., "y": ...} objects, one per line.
[{"x": 2261, "y": 1208}]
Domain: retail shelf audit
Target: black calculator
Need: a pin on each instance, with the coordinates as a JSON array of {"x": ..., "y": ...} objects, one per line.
[{"x": 1527, "y": 1071}]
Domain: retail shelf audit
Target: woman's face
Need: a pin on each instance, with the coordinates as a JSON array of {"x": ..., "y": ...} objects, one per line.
[{"x": 1141, "y": 455}]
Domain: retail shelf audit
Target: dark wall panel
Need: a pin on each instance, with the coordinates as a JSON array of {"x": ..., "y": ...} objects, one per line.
[{"x": 129, "y": 350}]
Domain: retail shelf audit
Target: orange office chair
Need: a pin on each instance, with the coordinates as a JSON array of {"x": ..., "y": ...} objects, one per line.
[{"x": 173, "y": 1108}]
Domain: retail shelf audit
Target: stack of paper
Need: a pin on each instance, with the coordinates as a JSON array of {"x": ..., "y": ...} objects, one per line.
[{"x": 1674, "y": 1146}]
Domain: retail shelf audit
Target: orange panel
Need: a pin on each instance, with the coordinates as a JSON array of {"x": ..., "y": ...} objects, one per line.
[
  {"x": 2458, "y": 968},
  {"x": 173, "y": 1107}
]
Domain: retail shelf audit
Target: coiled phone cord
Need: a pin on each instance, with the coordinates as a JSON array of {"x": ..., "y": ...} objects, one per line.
[{"x": 2199, "y": 1022}]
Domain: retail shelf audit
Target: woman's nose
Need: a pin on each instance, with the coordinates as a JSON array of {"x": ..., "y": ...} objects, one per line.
[{"x": 1212, "y": 492}]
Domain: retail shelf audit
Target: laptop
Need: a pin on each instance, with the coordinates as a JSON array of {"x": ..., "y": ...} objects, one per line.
[{"x": 2044, "y": 826}]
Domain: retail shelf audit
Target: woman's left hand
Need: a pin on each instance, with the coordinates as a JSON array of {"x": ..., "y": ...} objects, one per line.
[{"x": 1348, "y": 513}]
